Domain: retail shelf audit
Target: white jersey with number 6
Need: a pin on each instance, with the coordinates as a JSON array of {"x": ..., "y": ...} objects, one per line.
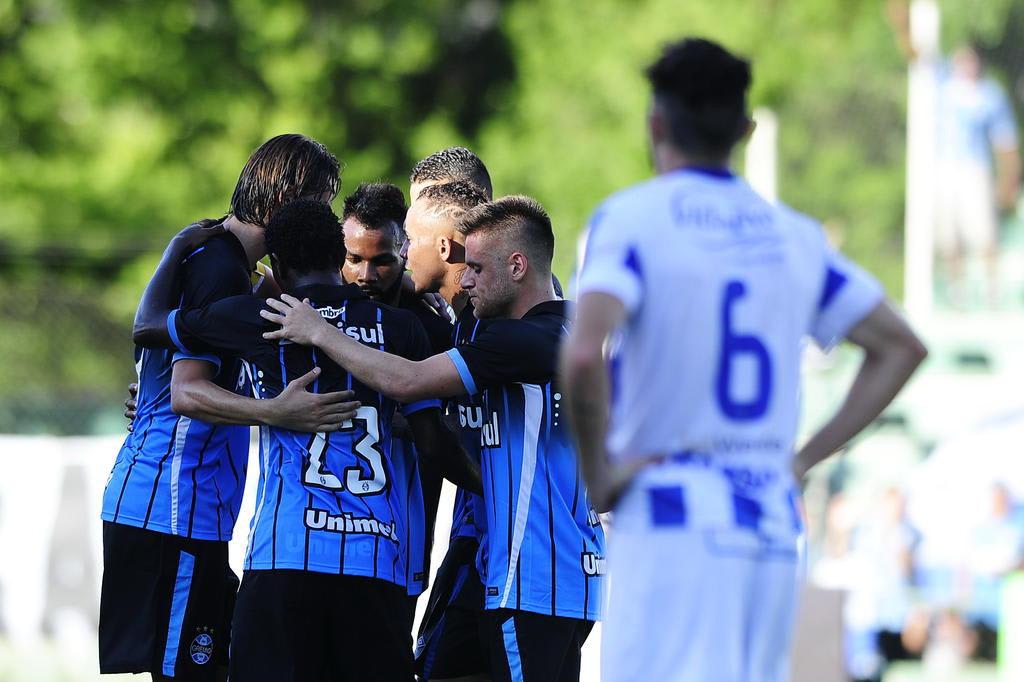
[{"x": 721, "y": 287}]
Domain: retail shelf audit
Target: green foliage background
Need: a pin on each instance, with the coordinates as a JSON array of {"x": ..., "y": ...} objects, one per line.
[{"x": 122, "y": 120}]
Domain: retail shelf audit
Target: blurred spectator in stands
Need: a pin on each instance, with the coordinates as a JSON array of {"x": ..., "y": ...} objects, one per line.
[
  {"x": 879, "y": 599},
  {"x": 977, "y": 160},
  {"x": 978, "y": 167},
  {"x": 996, "y": 551}
]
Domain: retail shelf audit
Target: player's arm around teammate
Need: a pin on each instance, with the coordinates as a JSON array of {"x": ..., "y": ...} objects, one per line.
[{"x": 295, "y": 408}]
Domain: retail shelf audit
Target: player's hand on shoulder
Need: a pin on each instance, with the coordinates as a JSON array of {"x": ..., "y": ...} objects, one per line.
[
  {"x": 300, "y": 322},
  {"x": 431, "y": 299},
  {"x": 297, "y": 409},
  {"x": 131, "y": 404},
  {"x": 196, "y": 234},
  {"x": 436, "y": 302}
]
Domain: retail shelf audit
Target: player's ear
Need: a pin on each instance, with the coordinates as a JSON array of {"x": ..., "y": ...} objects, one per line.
[
  {"x": 519, "y": 264},
  {"x": 749, "y": 126},
  {"x": 451, "y": 251}
]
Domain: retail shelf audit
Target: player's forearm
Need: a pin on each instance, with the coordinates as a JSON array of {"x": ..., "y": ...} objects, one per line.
[
  {"x": 389, "y": 374},
  {"x": 585, "y": 385},
  {"x": 441, "y": 454},
  {"x": 1007, "y": 177},
  {"x": 880, "y": 378},
  {"x": 208, "y": 402},
  {"x": 159, "y": 298},
  {"x": 456, "y": 465}
]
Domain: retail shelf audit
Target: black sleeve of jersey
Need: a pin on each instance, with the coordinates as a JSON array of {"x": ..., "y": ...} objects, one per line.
[
  {"x": 206, "y": 280},
  {"x": 439, "y": 331},
  {"x": 231, "y": 326},
  {"x": 416, "y": 344},
  {"x": 507, "y": 351}
]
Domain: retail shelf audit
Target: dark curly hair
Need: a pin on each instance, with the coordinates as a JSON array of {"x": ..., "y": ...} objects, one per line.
[
  {"x": 454, "y": 163},
  {"x": 702, "y": 90},
  {"x": 523, "y": 219},
  {"x": 306, "y": 236},
  {"x": 283, "y": 169},
  {"x": 377, "y": 206}
]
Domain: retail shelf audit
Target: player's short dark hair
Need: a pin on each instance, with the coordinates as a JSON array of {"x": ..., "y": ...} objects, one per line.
[
  {"x": 702, "y": 90},
  {"x": 306, "y": 236},
  {"x": 520, "y": 217},
  {"x": 453, "y": 198},
  {"x": 283, "y": 169},
  {"x": 377, "y": 206},
  {"x": 453, "y": 163}
]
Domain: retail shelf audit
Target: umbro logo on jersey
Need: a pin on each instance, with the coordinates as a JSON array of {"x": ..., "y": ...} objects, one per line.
[{"x": 329, "y": 313}]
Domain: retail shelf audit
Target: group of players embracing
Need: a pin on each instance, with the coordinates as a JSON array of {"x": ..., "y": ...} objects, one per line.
[
  {"x": 677, "y": 402},
  {"x": 366, "y": 396}
]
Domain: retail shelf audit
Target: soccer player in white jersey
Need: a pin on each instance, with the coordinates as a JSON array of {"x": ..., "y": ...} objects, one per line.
[{"x": 682, "y": 379}]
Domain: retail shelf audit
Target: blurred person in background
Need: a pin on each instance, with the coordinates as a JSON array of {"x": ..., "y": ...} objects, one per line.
[
  {"x": 880, "y": 592},
  {"x": 978, "y": 161},
  {"x": 996, "y": 551},
  {"x": 978, "y": 169}
]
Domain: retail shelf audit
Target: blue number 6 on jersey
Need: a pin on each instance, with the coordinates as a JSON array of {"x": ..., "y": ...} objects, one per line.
[{"x": 735, "y": 345}]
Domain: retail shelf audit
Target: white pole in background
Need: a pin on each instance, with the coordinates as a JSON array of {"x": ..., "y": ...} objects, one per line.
[
  {"x": 761, "y": 160},
  {"x": 922, "y": 104}
]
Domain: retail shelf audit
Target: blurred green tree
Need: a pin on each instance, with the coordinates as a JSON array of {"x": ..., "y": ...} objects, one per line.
[{"x": 121, "y": 120}]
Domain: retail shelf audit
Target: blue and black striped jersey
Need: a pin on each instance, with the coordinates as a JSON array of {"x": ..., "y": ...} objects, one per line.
[
  {"x": 544, "y": 547},
  {"x": 174, "y": 474},
  {"x": 327, "y": 502}
]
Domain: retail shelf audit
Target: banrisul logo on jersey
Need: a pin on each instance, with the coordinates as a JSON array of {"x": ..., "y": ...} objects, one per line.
[
  {"x": 490, "y": 434},
  {"x": 201, "y": 649}
]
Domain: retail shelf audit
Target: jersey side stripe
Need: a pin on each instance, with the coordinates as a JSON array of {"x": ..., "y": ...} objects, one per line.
[
  {"x": 533, "y": 409},
  {"x": 180, "y": 436}
]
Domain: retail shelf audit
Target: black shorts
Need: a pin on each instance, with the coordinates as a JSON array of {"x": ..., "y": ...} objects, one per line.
[
  {"x": 165, "y": 605},
  {"x": 449, "y": 643},
  {"x": 530, "y": 647},
  {"x": 301, "y": 626}
]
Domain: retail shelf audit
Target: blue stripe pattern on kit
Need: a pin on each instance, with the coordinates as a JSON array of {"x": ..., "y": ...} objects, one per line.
[
  {"x": 179, "y": 602},
  {"x": 515, "y": 663}
]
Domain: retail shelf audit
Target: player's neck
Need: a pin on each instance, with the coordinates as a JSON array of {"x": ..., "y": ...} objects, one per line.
[
  {"x": 451, "y": 288},
  {"x": 251, "y": 236},
  {"x": 324, "y": 277},
  {"x": 668, "y": 159},
  {"x": 531, "y": 296}
]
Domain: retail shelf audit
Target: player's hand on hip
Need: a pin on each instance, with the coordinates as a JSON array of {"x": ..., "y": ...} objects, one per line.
[
  {"x": 131, "y": 404},
  {"x": 297, "y": 409},
  {"x": 300, "y": 323},
  {"x": 618, "y": 480}
]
